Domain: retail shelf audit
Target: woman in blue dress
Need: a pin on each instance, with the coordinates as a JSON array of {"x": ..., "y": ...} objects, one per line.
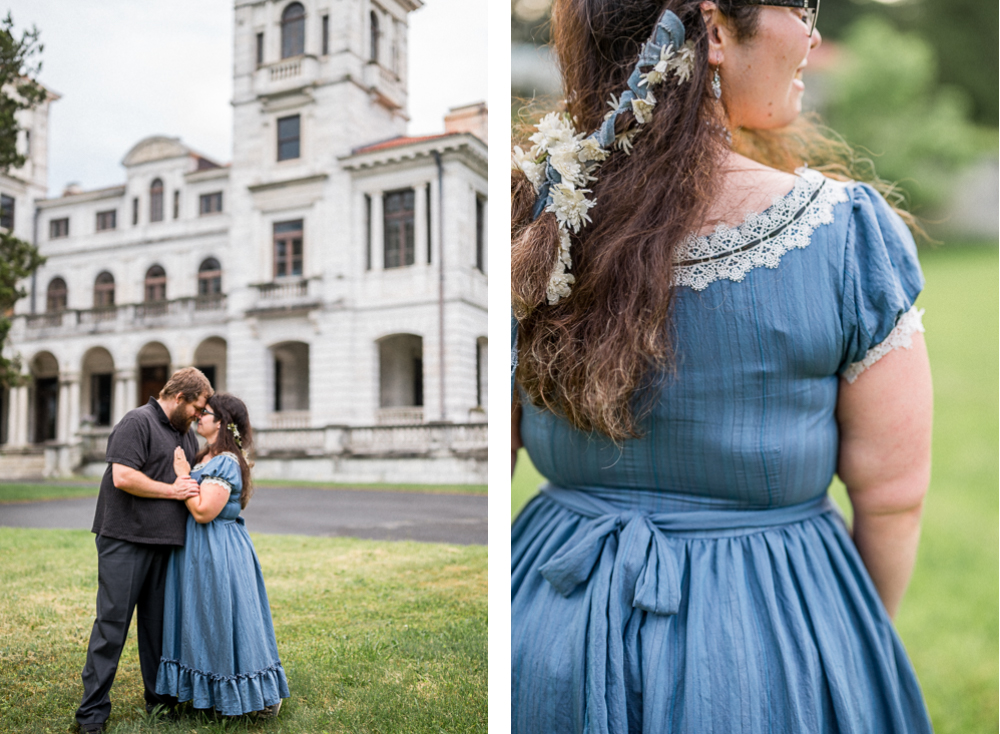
[
  {"x": 219, "y": 649},
  {"x": 705, "y": 333}
]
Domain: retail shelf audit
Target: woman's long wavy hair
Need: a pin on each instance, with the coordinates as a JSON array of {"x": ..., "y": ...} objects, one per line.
[
  {"x": 229, "y": 409},
  {"x": 588, "y": 357}
]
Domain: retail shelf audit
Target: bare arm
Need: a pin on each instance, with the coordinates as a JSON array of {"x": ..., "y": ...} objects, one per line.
[
  {"x": 515, "y": 436},
  {"x": 885, "y": 460},
  {"x": 207, "y": 505},
  {"x": 136, "y": 483}
]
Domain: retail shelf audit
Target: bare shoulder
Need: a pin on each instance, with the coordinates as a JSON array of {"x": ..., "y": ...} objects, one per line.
[{"x": 746, "y": 187}]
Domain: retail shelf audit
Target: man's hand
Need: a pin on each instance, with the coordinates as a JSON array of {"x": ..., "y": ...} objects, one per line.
[
  {"x": 181, "y": 466},
  {"x": 184, "y": 488}
]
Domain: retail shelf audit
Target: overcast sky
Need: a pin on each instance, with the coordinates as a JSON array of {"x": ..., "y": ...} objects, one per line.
[{"x": 127, "y": 69}]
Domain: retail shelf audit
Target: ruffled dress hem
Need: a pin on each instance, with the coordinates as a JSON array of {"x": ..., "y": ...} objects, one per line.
[{"x": 230, "y": 695}]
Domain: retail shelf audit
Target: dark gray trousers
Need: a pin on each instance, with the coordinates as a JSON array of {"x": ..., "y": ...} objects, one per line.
[{"x": 129, "y": 575}]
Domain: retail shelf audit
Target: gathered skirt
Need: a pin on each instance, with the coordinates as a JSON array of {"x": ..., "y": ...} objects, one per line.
[
  {"x": 219, "y": 648},
  {"x": 706, "y": 621}
]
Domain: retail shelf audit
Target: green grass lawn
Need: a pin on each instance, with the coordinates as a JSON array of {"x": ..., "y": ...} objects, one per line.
[
  {"x": 948, "y": 619},
  {"x": 374, "y": 636}
]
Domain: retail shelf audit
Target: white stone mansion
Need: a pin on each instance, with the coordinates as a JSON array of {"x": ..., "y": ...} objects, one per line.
[{"x": 333, "y": 275}]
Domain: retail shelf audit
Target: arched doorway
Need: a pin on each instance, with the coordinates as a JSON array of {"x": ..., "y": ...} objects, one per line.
[
  {"x": 45, "y": 378},
  {"x": 154, "y": 370},
  {"x": 97, "y": 381},
  {"x": 210, "y": 358},
  {"x": 401, "y": 379}
]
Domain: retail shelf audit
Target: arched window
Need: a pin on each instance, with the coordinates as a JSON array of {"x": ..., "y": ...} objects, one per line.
[
  {"x": 293, "y": 31},
  {"x": 56, "y": 301},
  {"x": 374, "y": 36},
  {"x": 210, "y": 278},
  {"x": 104, "y": 290},
  {"x": 156, "y": 284},
  {"x": 156, "y": 201}
]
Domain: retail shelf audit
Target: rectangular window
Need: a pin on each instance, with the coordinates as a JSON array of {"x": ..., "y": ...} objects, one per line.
[
  {"x": 58, "y": 228},
  {"x": 480, "y": 234},
  {"x": 107, "y": 220},
  {"x": 135, "y": 211},
  {"x": 210, "y": 203},
  {"x": 427, "y": 217},
  {"x": 288, "y": 249},
  {"x": 326, "y": 35},
  {"x": 260, "y": 49},
  {"x": 177, "y": 204},
  {"x": 7, "y": 212},
  {"x": 397, "y": 215},
  {"x": 288, "y": 138},
  {"x": 368, "y": 232}
]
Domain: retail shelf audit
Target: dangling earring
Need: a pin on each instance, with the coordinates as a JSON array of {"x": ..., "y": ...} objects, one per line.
[{"x": 716, "y": 84}]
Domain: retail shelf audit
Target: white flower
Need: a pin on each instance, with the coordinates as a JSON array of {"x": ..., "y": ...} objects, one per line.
[
  {"x": 643, "y": 108},
  {"x": 591, "y": 150},
  {"x": 534, "y": 170},
  {"x": 554, "y": 128},
  {"x": 569, "y": 205},
  {"x": 613, "y": 103},
  {"x": 564, "y": 244},
  {"x": 682, "y": 63},
  {"x": 559, "y": 285},
  {"x": 659, "y": 72},
  {"x": 565, "y": 158},
  {"x": 623, "y": 141}
]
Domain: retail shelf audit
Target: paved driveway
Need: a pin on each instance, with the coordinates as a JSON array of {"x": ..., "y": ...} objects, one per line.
[{"x": 378, "y": 515}]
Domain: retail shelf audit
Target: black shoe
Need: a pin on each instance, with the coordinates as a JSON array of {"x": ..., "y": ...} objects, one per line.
[{"x": 90, "y": 728}]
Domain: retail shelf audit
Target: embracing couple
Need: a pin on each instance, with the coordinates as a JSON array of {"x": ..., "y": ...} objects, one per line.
[{"x": 171, "y": 542}]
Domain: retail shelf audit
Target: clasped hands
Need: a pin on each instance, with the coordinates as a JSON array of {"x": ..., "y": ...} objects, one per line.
[{"x": 184, "y": 486}]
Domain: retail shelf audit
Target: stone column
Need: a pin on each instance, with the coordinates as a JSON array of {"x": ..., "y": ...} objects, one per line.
[
  {"x": 421, "y": 211},
  {"x": 62, "y": 415},
  {"x": 74, "y": 408},
  {"x": 18, "y": 417},
  {"x": 124, "y": 398}
]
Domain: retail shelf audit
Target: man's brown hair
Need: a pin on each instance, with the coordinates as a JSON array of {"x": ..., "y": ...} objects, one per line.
[{"x": 189, "y": 382}]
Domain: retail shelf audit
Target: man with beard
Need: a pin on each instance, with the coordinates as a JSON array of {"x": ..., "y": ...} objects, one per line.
[{"x": 140, "y": 518}]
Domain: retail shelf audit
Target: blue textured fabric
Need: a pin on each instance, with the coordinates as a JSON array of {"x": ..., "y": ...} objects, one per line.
[
  {"x": 219, "y": 649},
  {"x": 697, "y": 579}
]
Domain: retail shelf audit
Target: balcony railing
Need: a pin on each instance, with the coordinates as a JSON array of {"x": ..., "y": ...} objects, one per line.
[
  {"x": 287, "y": 295},
  {"x": 289, "y": 419},
  {"x": 179, "y": 311},
  {"x": 400, "y": 416}
]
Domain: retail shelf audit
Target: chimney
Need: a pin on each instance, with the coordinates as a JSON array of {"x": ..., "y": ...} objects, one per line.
[{"x": 470, "y": 118}]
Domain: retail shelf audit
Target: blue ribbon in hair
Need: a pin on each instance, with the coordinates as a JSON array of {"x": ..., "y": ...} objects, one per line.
[{"x": 669, "y": 31}]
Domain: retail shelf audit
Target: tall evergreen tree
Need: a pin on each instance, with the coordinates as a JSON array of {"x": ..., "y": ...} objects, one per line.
[{"x": 19, "y": 90}]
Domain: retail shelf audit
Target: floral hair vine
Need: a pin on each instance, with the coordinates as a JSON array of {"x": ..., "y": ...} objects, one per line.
[
  {"x": 562, "y": 161},
  {"x": 238, "y": 438}
]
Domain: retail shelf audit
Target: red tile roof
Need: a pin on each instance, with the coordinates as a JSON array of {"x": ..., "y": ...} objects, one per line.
[{"x": 395, "y": 142}]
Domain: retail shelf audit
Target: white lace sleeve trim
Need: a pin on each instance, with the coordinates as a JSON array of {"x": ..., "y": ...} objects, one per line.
[
  {"x": 219, "y": 481},
  {"x": 763, "y": 237},
  {"x": 900, "y": 336}
]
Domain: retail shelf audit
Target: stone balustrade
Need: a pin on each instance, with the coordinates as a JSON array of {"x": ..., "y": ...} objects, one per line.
[{"x": 125, "y": 317}]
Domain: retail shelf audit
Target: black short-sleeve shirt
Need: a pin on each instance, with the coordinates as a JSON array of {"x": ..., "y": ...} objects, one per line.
[{"x": 144, "y": 440}]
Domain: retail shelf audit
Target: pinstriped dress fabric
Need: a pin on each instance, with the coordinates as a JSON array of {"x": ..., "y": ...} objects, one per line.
[
  {"x": 697, "y": 579},
  {"x": 219, "y": 649}
]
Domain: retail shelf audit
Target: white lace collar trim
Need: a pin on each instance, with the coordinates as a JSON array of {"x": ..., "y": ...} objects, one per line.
[{"x": 763, "y": 237}]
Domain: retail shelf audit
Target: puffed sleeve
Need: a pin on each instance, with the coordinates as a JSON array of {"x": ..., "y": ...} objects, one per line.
[
  {"x": 882, "y": 279},
  {"x": 225, "y": 470}
]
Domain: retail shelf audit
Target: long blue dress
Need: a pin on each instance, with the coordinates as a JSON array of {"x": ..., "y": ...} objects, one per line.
[
  {"x": 219, "y": 649},
  {"x": 697, "y": 579}
]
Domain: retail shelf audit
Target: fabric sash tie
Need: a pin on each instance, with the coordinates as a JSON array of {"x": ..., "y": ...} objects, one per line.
[
  {"x": 622, "y": 558},
  {"x": 656, "y": 582}
]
